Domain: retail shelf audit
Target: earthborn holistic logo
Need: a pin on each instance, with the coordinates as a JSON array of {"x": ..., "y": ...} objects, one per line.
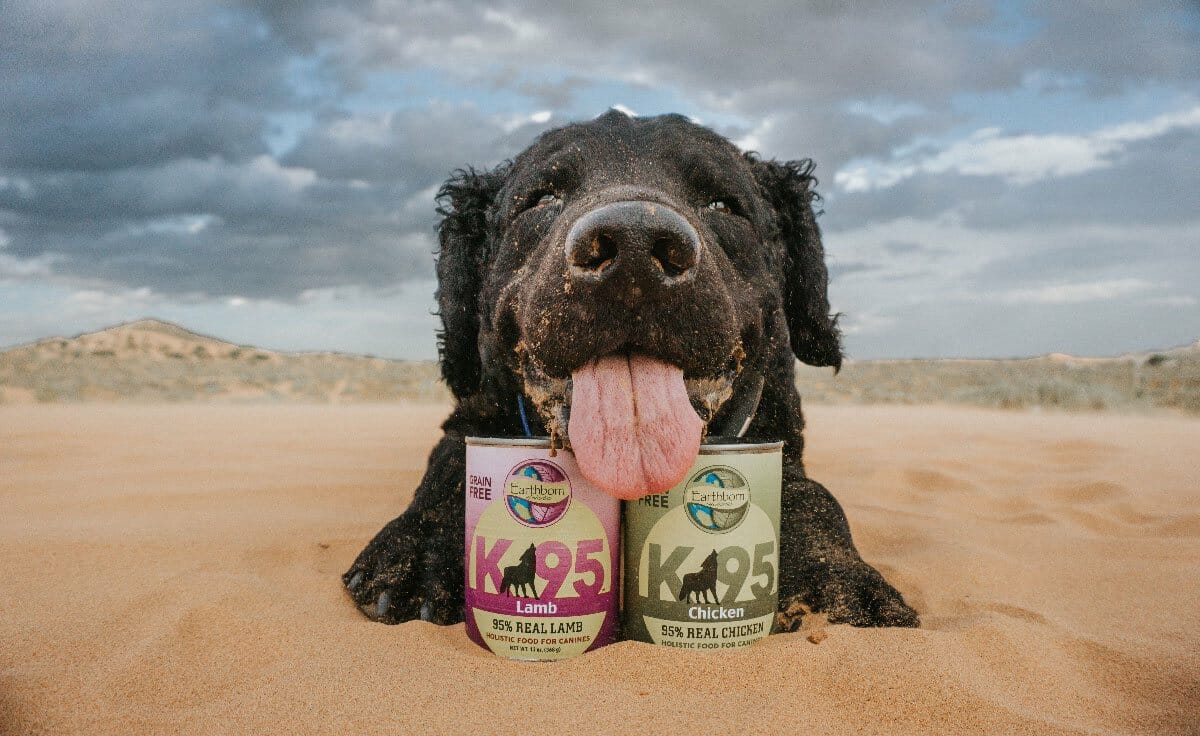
[
  {"x": 717, "y": 499},
  {"x": 537, "y": 493}
]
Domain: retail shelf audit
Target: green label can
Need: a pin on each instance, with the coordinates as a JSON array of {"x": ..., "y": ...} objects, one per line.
[{"x": 702, "y": 559}]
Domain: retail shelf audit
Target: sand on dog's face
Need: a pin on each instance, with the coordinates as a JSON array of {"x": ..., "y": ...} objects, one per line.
[{"x": 175, "y": 569}]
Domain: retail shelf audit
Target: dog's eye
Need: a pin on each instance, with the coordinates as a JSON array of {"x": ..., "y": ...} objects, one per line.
[
  {"x": 720, "y": 205},
  {"x": 542, "y": 200}
]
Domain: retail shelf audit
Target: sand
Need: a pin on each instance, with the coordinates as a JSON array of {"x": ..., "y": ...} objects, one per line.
[{"x": 174, "y": 569}]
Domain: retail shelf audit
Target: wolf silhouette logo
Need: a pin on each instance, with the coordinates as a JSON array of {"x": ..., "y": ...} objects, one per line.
[
  {"x": 520, "y": 575},
  {"x": 700, "y": 582}
]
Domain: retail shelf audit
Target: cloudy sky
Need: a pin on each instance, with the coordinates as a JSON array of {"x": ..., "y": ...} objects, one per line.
[{"x": 999, "y": 178}]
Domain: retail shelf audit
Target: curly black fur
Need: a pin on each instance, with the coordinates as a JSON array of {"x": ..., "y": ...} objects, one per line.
[
  {"x": 759, "y": 295},
  {"x": 463, "y": 204},
  {"x": 790, "y": 187}
]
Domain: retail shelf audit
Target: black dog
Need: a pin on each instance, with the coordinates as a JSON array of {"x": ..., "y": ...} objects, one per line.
[
  {"x": 697, "y": 583},
  {"x": 517, "y": 577},
  {"x": 654, "y": 249}
]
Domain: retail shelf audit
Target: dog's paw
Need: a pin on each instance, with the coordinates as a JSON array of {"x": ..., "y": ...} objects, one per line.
[
  {"x": 410, "y": 570},
  {"x": 855, "y": 594}
]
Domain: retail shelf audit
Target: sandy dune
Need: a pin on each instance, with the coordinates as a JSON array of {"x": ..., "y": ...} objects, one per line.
[{"x": 174, "y": 569}]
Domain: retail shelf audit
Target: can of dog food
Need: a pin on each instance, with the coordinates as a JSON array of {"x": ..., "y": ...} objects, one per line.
[
  {"x": 542, "y": 552},
  {"x": 702, "y": 559}
]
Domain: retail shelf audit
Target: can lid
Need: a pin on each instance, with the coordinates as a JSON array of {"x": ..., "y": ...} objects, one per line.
[
  {"x": 508, "y": 441},
  {"x": 710, "y": 446},
  {"x": 731, "y": 446}
]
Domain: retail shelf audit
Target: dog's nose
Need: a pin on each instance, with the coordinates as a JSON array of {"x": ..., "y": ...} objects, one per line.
[{"x": 636, "y": 238}]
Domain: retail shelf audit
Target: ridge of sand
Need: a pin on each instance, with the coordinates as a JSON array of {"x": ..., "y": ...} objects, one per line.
[{"x": 174, "y": 569}]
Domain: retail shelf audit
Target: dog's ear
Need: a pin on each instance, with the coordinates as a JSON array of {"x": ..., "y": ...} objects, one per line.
[
  {"x": 464, "y": 204},
  {"x": 789, "y": 187}
]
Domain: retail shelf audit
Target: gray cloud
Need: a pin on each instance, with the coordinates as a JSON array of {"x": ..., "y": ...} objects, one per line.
[
  {"x": 137, "y": 158},
  {"x": 1111, "y": 45},
  {"x": 798, "y": 63},
  {"x": 1096, "y": 253},
  {"x": 838, "y": 269},
  {"x": 102, "y": 85},
  {"x": 252, "y": 228},
  {"x": 798, "y": 71},
  {"x": 816, "y": 48},
  {"x": 921, "y": 196},
  {"x": 1151, "y": 182},
  {"x": 418, "y": 147}
]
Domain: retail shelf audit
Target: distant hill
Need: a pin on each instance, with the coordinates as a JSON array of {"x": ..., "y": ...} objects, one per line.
[{"x": 151, "y": 360}]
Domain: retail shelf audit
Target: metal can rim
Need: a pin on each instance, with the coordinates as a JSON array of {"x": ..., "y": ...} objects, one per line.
[
  {"x": 508, "y": 441},
  {"x": 720, "y": 448},
  {"x": 739, "y": 449}
]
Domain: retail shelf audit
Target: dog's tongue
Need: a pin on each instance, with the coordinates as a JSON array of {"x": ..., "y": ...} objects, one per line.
[{"x": 632, "y": 427}]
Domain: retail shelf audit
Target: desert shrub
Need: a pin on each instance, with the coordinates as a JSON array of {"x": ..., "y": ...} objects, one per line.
[{"x": 1049, "y": 391}]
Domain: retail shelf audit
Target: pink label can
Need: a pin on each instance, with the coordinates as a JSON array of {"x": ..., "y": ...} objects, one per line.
[{"x": 541, "y": 555}]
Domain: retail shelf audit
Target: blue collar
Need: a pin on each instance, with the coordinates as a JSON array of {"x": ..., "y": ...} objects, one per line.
[{"x": 524, "y": 418}]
